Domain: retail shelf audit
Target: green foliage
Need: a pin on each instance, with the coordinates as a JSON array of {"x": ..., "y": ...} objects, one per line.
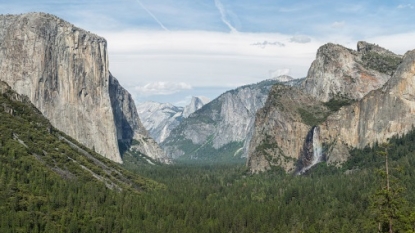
[
  {"x": 315, "y": 115},
  {"x": 335, "y": 103},
  {"x": 312, "y": 118},
  {"x": 51, "y": 183},
  {"x": 206, "y": 153},
  {"x": 381, "y": 62},
  {"x": 387, "y": 203},
  {"x": 43, "y": 190}
]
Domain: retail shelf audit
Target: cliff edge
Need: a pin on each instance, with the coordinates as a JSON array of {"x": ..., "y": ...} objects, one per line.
[{"x": 64, "y": 72}]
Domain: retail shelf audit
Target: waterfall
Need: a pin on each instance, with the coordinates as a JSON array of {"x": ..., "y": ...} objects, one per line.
[{"x": 317, "y": 150}]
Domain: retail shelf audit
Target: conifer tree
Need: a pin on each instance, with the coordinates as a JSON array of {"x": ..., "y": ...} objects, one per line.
[{"x": 387, "y": 202}]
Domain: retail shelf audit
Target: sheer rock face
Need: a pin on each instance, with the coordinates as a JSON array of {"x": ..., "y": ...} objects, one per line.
[
  {"x": 64, "y": 72},
  {"x": 128, "y": 124},
  {"x": 281, "y": 126},
  {"x": 279, "y": 131},
  {"x": 378, "y": 116},
  {"x": 341, "y": 72}
]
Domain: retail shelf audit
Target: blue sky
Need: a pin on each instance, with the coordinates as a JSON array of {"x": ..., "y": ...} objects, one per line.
[{"x": 169, "y": 50}]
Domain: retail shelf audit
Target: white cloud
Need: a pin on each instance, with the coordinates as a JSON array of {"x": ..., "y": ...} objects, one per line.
[
  {"x": 266, "y": 43},
  {"x": 211, "y": 60},
  {"x": 337, "y": 24},
  {"x": 278, "y": 72},
  {"x": 397, "y": 43},
  {"x": 300, "y": 39},
  {"x": 405, "y": 6},
  {"x": 204, "y": 59},
  {"x": 161, "y": 88}
]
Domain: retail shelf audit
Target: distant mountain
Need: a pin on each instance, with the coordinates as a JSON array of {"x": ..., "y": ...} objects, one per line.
[
  {"x": 284, "y": 78},
  {"x": 221, "y": 129},
  {"x": 161, "y": 118},
  {"x": 195, "y": 104}
]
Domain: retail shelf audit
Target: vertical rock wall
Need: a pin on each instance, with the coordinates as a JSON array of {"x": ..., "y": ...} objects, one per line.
[{"x": 64, "y": 72}]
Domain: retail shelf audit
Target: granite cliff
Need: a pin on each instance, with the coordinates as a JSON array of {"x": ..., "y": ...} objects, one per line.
[
  {"x": 349, "y": 99},
  {"x": 341, "y": 72},
  {"x": 63, "y": 70}
]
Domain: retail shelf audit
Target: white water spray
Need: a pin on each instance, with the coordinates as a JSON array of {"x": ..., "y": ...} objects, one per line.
[{"x": 317, "y": 150}]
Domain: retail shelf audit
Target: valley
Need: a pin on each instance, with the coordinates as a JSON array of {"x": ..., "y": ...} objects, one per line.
[{"x": 331, "y": 152}]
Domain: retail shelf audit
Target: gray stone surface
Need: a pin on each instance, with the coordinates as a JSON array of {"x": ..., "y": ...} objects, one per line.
[
  {"x": 64, "y": 72},
  {"x": 378, "y": 115},
  {"x": 341, "y": 72}
]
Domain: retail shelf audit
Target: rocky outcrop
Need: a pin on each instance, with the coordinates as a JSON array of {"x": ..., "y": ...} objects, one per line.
[
  {"x": 159, "y": 118},
  {"x": 290, "y": 114},
  {"x": 221, "y": 127},
  {"x": 378, "y": 116},
  {"x": 64, "y": 72},
  {"x": 341, "y": 72},
  {"x": 195, "y": 104},
  {"x": 130, "y": 131},
  {"x": 280, "y": 131}
]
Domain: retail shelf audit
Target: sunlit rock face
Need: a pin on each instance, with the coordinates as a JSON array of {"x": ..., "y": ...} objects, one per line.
[
  {"x": 339, "y": 71},
  {"x": 353, "y": 98},
  {"x": 64, "y": 72}
]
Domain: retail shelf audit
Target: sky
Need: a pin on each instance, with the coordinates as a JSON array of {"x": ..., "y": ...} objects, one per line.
[{"x": 170, "y": 50}]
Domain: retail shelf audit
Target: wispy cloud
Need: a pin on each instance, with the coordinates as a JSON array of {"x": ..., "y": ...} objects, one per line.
[
  {"x": 338, "y": 24},
  {"x": 161, "y": 88},
  {"x": 223, "y": 15},
  {"x": 300, "y": 39},
  {"x": 266, "y": 43},
  {"x": 405, "y": 6},
  {"x": 152, "y": 15}
]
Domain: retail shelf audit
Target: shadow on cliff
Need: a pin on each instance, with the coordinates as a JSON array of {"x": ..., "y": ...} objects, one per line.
[{"x": 125, "y": 115}]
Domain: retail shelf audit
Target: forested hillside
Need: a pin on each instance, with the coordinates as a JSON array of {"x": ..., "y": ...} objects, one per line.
[
  {"x": 49, "y": 183},
  {"x": 227, "y": 198}
]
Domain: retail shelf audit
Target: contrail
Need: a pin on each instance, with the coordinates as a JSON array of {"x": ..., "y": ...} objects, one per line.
[
  {"x": 221, "y": 9},
  {"x": 151, "y": 14}
]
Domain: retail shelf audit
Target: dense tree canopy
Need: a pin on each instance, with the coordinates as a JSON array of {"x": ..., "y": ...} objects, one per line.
[{"x": 42, "y": 189}]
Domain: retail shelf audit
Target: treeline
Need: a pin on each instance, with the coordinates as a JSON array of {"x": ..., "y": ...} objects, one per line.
[
  {"x": 327, "y": 199},
  {"x": 41, "y": 190}
]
